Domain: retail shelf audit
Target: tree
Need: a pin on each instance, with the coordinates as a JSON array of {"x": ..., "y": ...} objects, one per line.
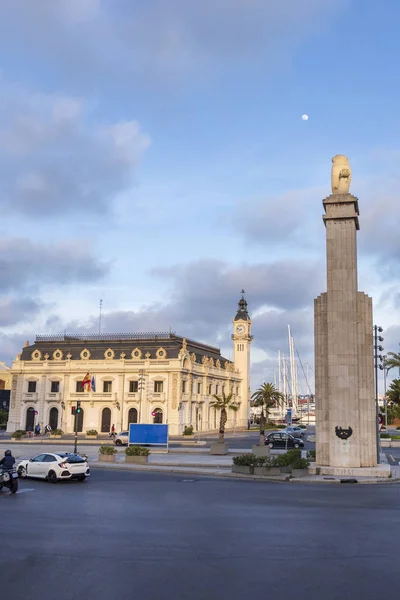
[
  {"x": 393, "y": 361},
  {"x": 3, "y": 416},
  {"x": 393, "y": 392},
  {"x": 223, "y": 403},
  {"x": 266, "y": 396}
]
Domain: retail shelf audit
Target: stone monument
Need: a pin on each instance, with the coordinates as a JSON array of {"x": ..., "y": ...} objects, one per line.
[{"x": 346, "y": 443}]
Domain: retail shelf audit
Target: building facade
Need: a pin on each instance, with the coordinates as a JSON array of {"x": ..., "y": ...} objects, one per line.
[{"x": 122, "y": 378}]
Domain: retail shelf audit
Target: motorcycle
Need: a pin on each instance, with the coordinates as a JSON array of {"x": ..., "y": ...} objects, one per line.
[{"x": 9, "y": 479}]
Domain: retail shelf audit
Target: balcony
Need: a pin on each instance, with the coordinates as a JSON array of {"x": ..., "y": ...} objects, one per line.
[
  {"x": 132, "y": 396},
  {"x": 30, "y": 397},
  {"x": 157, "y": 396},
  {"x": 54, "y": 396}
]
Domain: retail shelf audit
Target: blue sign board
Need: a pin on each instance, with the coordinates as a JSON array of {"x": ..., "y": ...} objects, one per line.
[
  {"x": 156, "y": 435},
  {"x": 288, "y": 417}
]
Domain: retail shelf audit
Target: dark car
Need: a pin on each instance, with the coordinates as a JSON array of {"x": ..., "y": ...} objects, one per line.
[{"x": 283, "y": 440}]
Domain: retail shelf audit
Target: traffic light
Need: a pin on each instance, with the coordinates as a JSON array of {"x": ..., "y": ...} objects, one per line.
[
  {"x": 78, "y": 407},
  {"x": 73, "y": 410}
]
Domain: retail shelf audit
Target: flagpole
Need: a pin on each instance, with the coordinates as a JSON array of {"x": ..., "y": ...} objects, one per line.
[{"x": 101, "y": 304}]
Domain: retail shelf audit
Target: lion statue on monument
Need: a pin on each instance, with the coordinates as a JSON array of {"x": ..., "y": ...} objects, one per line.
[{"x": 341, "y": 174}]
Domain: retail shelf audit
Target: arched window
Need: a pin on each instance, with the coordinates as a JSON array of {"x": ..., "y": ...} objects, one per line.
[
  {"x": 132, "y": 416},
  {"x": 2, "y": 384},
  {"x": 157, "y": 415},
  {"x": 105, "y": 420},
  {"x": 53, "y": 418},
  {"x": 30, "y": 419}
]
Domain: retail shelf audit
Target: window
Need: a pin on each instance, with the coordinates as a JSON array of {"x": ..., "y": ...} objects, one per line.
[
  {"x": 79, "y": 387},
  {"x": 49, "y": 458},
  {"x": 158, "y": 386},
  {"x": 31, "y": 386},
  {"x": 237, "y": 390},
  {"x": 107, "y": 386},
  {"x": 223, "y": 389},
  {"x": 133, "y": 386},
  {"x": 55, "y": 386},
  {"x": 183, "y": 387},
  {"x": 39, "y": 458},
  {"x": 199, "y": 388},
  {"x": 210, "y": 389},
  {"x": 216, "y": 389}
]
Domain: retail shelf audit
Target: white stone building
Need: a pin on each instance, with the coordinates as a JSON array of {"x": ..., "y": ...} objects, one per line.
[{"x": 139, "y": 378}]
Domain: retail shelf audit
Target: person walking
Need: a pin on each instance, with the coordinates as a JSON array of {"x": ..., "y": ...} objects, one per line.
[{"x": 112, "y": 432}]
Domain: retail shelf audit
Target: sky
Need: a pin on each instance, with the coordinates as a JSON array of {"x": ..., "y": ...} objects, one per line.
[{"x": 153, "y": 155}]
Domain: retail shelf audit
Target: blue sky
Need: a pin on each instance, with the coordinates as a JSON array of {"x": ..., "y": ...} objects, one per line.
[{"x": 153, "y": 155}]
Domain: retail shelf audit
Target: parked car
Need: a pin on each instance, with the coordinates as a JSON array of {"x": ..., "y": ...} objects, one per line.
[
  {"x": 294, "y": 430},
  {"x": 55, "y": 467},
  {"x": 283, "y": 440},
  {"x": 121, "y": 439}
]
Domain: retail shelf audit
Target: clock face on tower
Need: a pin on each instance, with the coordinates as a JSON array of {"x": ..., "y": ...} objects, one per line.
[{"x": 240, "y": 329}]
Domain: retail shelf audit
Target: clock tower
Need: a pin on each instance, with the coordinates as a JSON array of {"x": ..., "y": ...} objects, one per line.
[{"x": 242, "y": 339}]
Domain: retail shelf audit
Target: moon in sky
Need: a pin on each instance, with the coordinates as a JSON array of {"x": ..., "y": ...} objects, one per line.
[{"x": 305, "y": 117}]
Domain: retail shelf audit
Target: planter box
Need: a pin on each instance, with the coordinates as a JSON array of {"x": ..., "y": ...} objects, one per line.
[
  {"x": 261, "y": 450},
  {"x": 107, "y": 457},
  {"x": 139, "y": 460},
  {"x": 267, "y": 471},
  {"x": 218, "y": 448},
  {"x": 91, "y": 437},
  {"x": 56, "y": 437},
  {"x": 299, "y": 472},
  {"x": 188, "y": 437},
  {"x": 242, "y": 469},
  {"x": 287, "y": 469}
]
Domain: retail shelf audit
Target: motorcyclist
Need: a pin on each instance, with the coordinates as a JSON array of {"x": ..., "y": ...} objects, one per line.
[{"x": 7, "y": 463}]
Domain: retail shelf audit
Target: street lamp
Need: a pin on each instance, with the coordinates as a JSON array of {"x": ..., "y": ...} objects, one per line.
[
  {"x": 383, "y": 367},
  {"x": 377, "y": 358}
]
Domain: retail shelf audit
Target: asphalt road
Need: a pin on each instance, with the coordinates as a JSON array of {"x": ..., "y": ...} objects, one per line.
[{"x": 149, "y": 536}]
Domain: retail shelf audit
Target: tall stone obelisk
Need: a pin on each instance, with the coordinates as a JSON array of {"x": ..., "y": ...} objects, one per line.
[{"x": 344, "y": 368}]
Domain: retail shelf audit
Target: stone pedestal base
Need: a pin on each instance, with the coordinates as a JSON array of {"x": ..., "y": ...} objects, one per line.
[
  {"x": 381, "y": 471},
  {"x": 218, "y": 448},
  {"x": 261, "y": 450}
]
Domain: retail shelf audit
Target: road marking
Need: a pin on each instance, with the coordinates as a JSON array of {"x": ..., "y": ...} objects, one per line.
[{"x": 26, "y": 490}]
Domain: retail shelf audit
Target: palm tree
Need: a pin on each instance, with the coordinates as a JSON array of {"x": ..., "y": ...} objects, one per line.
[
  {"x": 393, "y": 362},
  {"x": 393, "y": 392},
  {"x": 266, "y": 396},
  {"x": 223, "y": 403}
]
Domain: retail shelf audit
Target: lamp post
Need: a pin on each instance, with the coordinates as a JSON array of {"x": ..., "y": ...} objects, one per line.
[
  {"x": 384, "y": 368},
  {"x": 377, "y": 348}
]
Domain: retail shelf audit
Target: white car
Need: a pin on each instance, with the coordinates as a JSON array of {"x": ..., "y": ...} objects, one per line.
[
  {"x": 295, "y": 431},
  {"x": 54, "y": 467},
  {"x": 122, "y": 439}
]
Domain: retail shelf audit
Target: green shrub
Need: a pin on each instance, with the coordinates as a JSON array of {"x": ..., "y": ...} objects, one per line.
[
  {"x": 136, "y": 451},
  {"x": 395, "y": 437},
  {"x": 18, "y": 434},
  {"x": 311, "y": 455},
  {"x": 293, "y": 455},
  {"x": 385, "y": 436},
  {"x": 188, "y": 430},
  {"x": 57, "y": 432},
  {"x": 245, "y": 460},
  {"x": 92, "y": 432},
  {"x": 282, "y": 460},
  {"x": 107, "y": 450},
  {"x": 281, "y": 426},
  {"x": 300, "y": 463},
  {"x": 398, "y": 428}
]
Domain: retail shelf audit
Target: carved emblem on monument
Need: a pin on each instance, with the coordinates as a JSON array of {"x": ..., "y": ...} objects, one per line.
[{"x": 343, "y": 433}]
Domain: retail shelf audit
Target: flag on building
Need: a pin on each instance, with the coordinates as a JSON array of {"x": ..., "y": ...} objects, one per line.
[
  {"x": 86, "y": 382},
  {"x": 93, "y": 384}
]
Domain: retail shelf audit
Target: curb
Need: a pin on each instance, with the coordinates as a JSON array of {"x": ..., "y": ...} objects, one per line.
[{"x": 213, "y": 471}]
